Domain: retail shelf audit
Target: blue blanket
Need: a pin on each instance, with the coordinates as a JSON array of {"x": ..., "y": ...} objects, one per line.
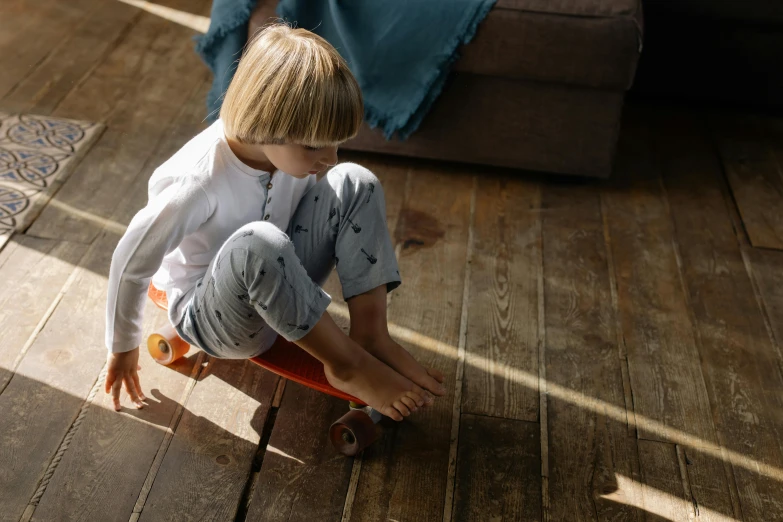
[{"x": 399, "y": 50}]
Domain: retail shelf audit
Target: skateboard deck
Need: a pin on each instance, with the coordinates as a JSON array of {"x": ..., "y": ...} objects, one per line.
[{"x": 283, "y": 358}]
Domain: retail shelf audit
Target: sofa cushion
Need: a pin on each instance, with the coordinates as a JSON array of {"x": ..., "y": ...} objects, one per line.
[{"x": 593, "y": 43}]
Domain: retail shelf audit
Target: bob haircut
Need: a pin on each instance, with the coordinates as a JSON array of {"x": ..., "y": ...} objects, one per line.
[{"x": 292, "y": 86}]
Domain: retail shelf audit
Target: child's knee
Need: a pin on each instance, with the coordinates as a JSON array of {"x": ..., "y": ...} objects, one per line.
[
  {"x": 360, "y": 179},
  {"x": 260, "y": 237}
]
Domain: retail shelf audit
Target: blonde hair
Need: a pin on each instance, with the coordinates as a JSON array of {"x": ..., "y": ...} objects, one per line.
[{"x": 291, "y": 86}]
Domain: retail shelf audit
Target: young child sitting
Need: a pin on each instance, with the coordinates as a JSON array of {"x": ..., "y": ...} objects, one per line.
[{"x": 246, "y": 221}]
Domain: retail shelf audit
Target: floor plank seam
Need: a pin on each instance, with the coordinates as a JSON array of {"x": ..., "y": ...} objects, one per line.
[
  {"x": 255, "y": 468},
  {"x": 353, "y": 485},
  {"x": 200, "y": 366},
  {"x": 543, "y": 416},
  {"x": 448, "y": 504},
  {"x": 64, "y": 445},
  {"x": 682, "y": 461},
  {"x": 622, "y": 347}
]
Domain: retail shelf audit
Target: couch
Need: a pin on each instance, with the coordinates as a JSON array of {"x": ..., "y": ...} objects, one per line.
[{"x": 540, "y": 87}]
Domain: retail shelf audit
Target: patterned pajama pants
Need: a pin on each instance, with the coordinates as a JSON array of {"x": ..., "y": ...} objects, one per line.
[{"x": 264, "y": 282}]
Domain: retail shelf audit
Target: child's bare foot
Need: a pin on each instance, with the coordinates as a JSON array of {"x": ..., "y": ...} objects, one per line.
[
  {"x": 387, "y": 350},
  {"x": 378, "y": 385}
]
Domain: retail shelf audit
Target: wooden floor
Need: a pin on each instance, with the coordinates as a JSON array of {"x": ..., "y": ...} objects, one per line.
[{"x": 612, "y": 349}]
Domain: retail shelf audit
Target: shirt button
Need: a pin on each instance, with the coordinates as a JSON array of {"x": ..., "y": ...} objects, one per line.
[
  {"x": 266, "y": 218},
  {"x": 268, "y": 186},
  {"x": 269, "y": 200}
]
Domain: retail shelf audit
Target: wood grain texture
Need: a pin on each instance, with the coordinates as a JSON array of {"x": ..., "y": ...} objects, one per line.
[
  {"x": 137, "y": 90},
  {"x": 302, "y": 477},
  {"x": 205, "y": 468},
  {"x": 498, "y": 470},
  {"x": 740, "y": 363},
  {"x": 71, "y": 59},
  {"x": 32, "y": 30},
  {"x": 502, "y": 333},
  {"x": 110, "y": 454},
  {"x": 663, "y": 488},
  {"x": 33, "y": 273},
  {"x": 52, "y": 381},
  {"x": 587, "y": 434},
  {"x": 750, "y": 149},
  {"x": 767, "y": 268},
  {"x": 707, "y": 487},
  {"x": 404, "y": 475},
  {"x": 663, "y": 360}
]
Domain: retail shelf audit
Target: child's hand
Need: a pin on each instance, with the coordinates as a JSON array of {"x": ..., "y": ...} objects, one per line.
[{"x": 123, "y": 368}]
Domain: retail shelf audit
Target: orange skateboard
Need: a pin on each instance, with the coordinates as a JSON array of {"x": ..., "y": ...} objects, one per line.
[{"x": 353, "y": 432}]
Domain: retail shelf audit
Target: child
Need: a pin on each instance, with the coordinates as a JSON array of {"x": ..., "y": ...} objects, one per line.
[{"x": 212, "y": 235}]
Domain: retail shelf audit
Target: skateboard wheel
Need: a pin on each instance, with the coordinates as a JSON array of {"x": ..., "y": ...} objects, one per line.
[
  {"x": 353, "y": 432},
  {"x": 165, "y": 346}
]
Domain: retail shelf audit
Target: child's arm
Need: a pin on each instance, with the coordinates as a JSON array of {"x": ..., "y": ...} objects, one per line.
[{"x": 176, "y": 208}]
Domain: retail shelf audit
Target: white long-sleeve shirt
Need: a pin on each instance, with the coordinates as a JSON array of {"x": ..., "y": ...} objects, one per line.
[{"x": 197, "y": 199}]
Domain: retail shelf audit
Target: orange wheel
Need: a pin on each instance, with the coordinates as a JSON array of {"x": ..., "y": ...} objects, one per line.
[
  {"x": 353, "y": 432},
  {"x": 165, "y": 346}
]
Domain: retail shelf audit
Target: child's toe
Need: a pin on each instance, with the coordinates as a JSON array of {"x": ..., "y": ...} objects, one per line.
[
  {"x": 410, "y": 403},
  {"x": 392, "y": 413},
  {"x": 402, "y": 408},
  {"x": 436, "y": 374}
]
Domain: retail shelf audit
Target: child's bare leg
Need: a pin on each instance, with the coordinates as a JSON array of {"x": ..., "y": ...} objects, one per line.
[
  {"x": 370, "y": 330},
  {"x": 351, "y": 369}
]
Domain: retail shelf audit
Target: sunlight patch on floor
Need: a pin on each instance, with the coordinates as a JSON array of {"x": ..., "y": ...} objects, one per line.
[
  {"x": 196, "y": 22},
  {"x": 556, "y": 391}
]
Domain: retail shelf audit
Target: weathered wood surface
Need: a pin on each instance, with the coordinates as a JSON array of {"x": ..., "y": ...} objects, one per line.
[
  {"x": 588, "y": 437},
  {"x": 498, "y": 470},
  {"x": 503, "y": 305}
]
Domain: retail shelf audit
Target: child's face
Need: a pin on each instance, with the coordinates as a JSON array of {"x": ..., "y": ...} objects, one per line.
[{"x": 300, "y": 161}]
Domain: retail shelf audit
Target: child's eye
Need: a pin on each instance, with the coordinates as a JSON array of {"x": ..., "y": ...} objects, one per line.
[{"x": 312, "y": 148}]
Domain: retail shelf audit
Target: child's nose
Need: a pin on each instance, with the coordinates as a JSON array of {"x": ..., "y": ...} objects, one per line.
[{"x": 330, "y": 156}]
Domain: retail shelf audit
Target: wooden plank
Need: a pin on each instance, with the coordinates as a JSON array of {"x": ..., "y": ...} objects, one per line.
[
  {"x": 663, "y": 488},
  {"x": 767, "y": 266},
  {"x": 404, "y": 475},
  {"x": 153, "y": 63},
  {"x": 754, "y": 173},
  {"x": 706, "y": 486},
  {"x": 128, "y": 445},
  {"x": 205, "y": 468},
  {"x": 663, "y": 360},
  {"x": 741, "y": 365},
  {"x": 300, "y": 459},
  {"x": 52, "y": 381},
  {"x": 34, "y": 272},
  {"x": 135, "y": 129},
  {"x": 74, "y": 56},
  {"x": 108, "y": 456},
  {"x": 498, "y": 470},
  {"x": 38, "y": 28},
  {"x": 587, "y": 429},
  {"x": 302, "y": 476},
  {"x": 503, "y": 311}
]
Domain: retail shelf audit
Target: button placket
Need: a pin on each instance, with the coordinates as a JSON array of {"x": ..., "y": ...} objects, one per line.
[{"x": 268, "y": 199}]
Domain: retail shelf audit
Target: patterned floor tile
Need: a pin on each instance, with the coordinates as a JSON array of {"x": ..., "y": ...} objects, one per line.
[{"x": 37, "y": 154}]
